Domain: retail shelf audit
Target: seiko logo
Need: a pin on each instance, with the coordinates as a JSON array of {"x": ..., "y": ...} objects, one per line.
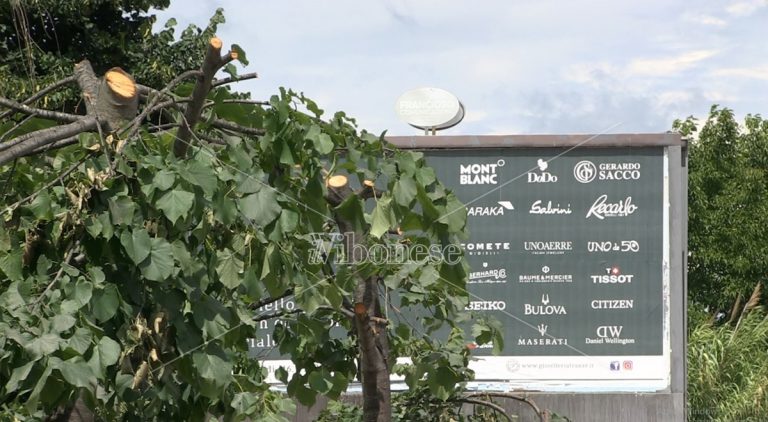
[
  {"x": 486, "y": 305},
  {"x": 585, "y": 171},
  {"x": 479, "y": 174},
  {"x": 487, "y": 248},
  {"x": 612, "y": 303},
  {"x": 548, "y": 248},
  {"x": 490, "y": 211},
  {"x": 537, "y": 208},
  {"x": 602, "y": 209},
  {"x": 542, "y": 176},
  {"x": 546, "y": 277},
  {"x": 613, "y": 276},
  {"x": 488, "y": 276},
  {"x": 618, "y": 246},
  {"x": 545, "y": 308}
]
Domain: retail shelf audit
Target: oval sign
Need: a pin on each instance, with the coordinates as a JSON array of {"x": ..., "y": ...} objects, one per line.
[{"x": 429, "y": 108}]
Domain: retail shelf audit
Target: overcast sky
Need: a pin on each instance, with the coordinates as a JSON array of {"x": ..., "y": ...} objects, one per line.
[{"x": 518, "y": 67}]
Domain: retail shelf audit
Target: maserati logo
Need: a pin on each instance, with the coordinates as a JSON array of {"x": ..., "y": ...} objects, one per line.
[{"x": 542, "y": 329}]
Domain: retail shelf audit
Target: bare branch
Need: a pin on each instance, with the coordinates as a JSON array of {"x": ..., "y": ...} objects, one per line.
[
  {"x": 491, "y": 405},
  {"x": 56, "y": 85},
  {"x": 512, "y": 396},
  {"x": 46, "y": 114},
  {"x": 266, "y": 301},
  {"x": 225, "y": 124},
  {"x": 277, "y": 314},
  {"x": 24, "y": 144},
  {"x": 238, "y": 78}
]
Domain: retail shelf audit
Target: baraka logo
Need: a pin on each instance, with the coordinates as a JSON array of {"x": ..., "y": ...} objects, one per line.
[
  {"x": 488, "y": 276},
  {"x": 542, "y": 176},
  {"x": 601, "y": 208},
  {"x": 538, "y": 207},
  {"x": 490, "y": 211},
  {"x": 612, "y": 275},
  {"x": 586, "y": 171},
  {"x": 479, "y": 174},
  {"x": 545, "y": 308}
]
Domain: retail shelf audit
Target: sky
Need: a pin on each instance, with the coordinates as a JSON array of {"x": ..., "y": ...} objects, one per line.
[{"x": 545, "y": 66}]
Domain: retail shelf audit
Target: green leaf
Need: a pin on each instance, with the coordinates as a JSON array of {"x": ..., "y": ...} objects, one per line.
[
  {"x": 383, "y": 218},
  {"x": 158, "y": 266},
  {"x": 137, "y": 244},
  {"x": 77, "y": 372},
  {"x": 175, "y": 204},
  {"x": 199, "y": 174},
  {"x": 319, "y": 383},
  {"x": 322, "y": 142},
  {"x": 261, "y": 207},
  {"x": 229, "y": 268},
  {"x": 240, "y": 54},
  {"x": 80, "y": 341},
  {"x": 43, "y": 345},
  {"x": 80, "y": 297},
  {"x": 352, "y": 211},
  {"x": 105, "y": 303},
  {"x": 213, "y": 368},
  {"x": 18, "y": 375},
  {"x": 164, "y": 179},
  {"x": 405, "y": 191},
  {"x": 121, "y": 209},
  {"x": 61, "y": 323},
  {"x": 41, "y": 206},
  {"x": 11, "y": 265},
  {"x": 105, "y": 354},
  {"x": 456, "y": 214}
]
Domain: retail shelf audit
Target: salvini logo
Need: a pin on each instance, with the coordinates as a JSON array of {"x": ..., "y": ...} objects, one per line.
[
  {"x": 548, "y": 247},
  {"x": 545, "y": 277},
  {"x": 479, "y": 174},
  {"x": 544, "y": 340},
  {"x": 541, "y": 176},
  {"x": 545, "y": 308},
  {"x": 490, "y": 211},
  {"x": 488, "y": 275},
  {"x": 601, "y": 208},
  {"x": 538, "y": 207}
]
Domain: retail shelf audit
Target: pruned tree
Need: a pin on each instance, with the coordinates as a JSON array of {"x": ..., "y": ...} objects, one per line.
[{"x": 133, "y": 253}]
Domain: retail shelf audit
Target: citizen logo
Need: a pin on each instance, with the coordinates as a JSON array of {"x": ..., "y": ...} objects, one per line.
[
  {"x": 613, "y": 304},
  {"x": 479, "y": 174},
  {"x": 585, "y": 171},
  {"x": 601, "y": 208},
  {"x": 542, "y": 176}
]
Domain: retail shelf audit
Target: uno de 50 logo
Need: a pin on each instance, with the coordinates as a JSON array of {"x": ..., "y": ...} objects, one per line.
[
  {"x": 585, "y": 171},
  {"x": 601, "y": 208},
  {"x": 543, "y": 176},
  {"x": 479, "y": 174}
]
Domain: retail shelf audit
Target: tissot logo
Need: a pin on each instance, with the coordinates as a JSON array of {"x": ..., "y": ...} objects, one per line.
[
  {"x": 490, "y": 211},
  {"x": 485, "y": 248},
  {"x": 612, "y": 275},
  {"x": 480, "y": 174},
  {"x": 586, "y": 171},
  {"x": 548, "y": 247},
  {"x": 488, "y": 275},
  {"x": 486, "y": 305},
  {"x": 541, "y": 176},
  {"x": 539, "y": 207},
  {"x": 545, "y": 308},
  {"x": 610, "y": 246},
  {"x": 546, "y": 276},
  {"x": 601, "y": 208}
]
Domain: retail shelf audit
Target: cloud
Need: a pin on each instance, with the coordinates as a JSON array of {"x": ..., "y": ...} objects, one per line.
[
  {"x": 705, "y": 19},
  {"x": 669, "y": 65},
  {"x": 756, "y": 72},
  {"x": 745, "y": 8}
]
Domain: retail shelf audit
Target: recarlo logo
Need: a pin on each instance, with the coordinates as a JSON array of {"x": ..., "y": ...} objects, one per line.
[
  {"x": 601, "y": 208},
  {"x": 542, "y": 176},
  {"x": 585, "y": 171},
  {"x": 479, "y": 174}
]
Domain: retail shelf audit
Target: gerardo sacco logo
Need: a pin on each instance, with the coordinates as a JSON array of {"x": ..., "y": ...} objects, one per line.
[
  {"x": 601, "y": 208},
  {"x": 546, "y": 276},
  {"x": 541, "y": 175},
  {"x": 490, "y": 211},
  {"x": 480, "y": 174},
  {"x": 585, "y": 171},
  {"x": 551, "y": 247},
  {"x": 488, "y": 275},
  {"x": 544, "y": 338},
  {"x": 485, "y": 248},
  {"x": 549, "y": 208},
  {"x": 613, "y": 275}
]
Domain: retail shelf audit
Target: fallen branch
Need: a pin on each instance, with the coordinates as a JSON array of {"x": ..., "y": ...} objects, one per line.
[
  {"x": 56, "y": 85},
  {"x": 46, "y": 114},
  {"x": 238, "y": 78},
  {"x": 224, "y": 124},
  {"x": 25, "y": 144},
  {"x": 498, "y": 409},
  {"x": 542, "y": 415}
]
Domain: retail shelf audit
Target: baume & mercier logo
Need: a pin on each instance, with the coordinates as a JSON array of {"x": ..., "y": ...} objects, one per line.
[
  {"x": 491, "y": 211},
  {"x": 480, "y": 174},
  {"x": 546, "y": 276},
  {"x": 586, "y": 171},
  {"x": 542, "y": 175},
  {"x": 601, "y": 208}
]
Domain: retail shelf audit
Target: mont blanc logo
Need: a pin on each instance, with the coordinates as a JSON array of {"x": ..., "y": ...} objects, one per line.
[
  {"x": 601, "y": 208},
  {"x": 492, "y": 210},
  {"x": 609, "y": 334},
  {"x": 613, "y": 246},
  {"x": 612, "y": 275},
  {"x": 488, "y": 275},
  {"x": 538, "y": 207},
  {"x": 586, "y": 171},
  {"x": 545, "y": 308},
  {"x": 545, "y": 277},
  {"x": 548, "y": 247},
  {"x": 485, "y": 248},
  {"x": 542, "y": 175},
  {"x": 480, "y": 174},
  {"x": 544, "y": 339}
]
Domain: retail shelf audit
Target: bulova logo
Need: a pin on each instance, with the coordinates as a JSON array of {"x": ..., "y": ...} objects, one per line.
[
  {"x": 548, "y": 247},
  {"x": 538, "y": 208},
  {"x": 617, "y": 246},
  {"x": 546, "y": 277},
  {"x": 585, "y": 171},
  {"x": 542, "y": 176},
  {"x": 609, "y": 334},
  {"x": 479, "y": 174},
  {"x": 601, "y": 208},
  {"x": 613, "y": 276},
  {"x": 490, "y": 211},
  {"x": 488, "y": 276},
  {"x": 612, "y": 304},
  {"x": 545, "y": 340},
  {"x": 486, "y": 305},
  {"x": 485, "y": 248},
  {"x": 545, "y": 308}
]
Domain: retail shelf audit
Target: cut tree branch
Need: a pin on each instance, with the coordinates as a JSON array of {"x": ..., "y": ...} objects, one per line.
[
  {"x": 56, "y": 85},
  {"x": 211, "y": 64},
  {"x": 29, "y": 142},
  {"x": 238, "y": 78},
  {"x": 224, "y": 124},
  {"x": 46, "y": 114}
]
